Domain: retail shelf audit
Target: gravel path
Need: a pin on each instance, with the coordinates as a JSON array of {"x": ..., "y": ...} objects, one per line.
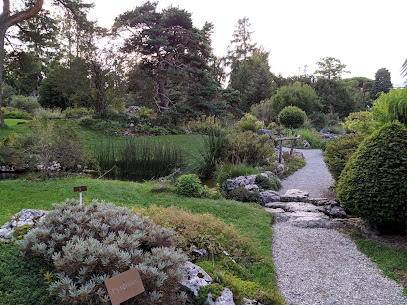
[
  {"x": 314, "y": 177},
  {"x": 321, "y": 266}
]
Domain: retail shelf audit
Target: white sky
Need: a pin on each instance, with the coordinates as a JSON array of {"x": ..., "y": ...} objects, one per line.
[{"x": 366, "y": 35}]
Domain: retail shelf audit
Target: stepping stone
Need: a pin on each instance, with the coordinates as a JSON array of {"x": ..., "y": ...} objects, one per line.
[{"x": 294, "y": 195}]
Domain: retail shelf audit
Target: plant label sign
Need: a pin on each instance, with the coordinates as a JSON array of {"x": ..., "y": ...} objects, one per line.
[
  {"x": 81, "y": 188},
  {"x": 124, "y": 286}
]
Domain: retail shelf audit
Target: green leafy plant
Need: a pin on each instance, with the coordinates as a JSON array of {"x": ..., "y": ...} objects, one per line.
[
  {"x": 88, "y": 244},
  {"x": 247, "y": 147},
  {"x": 292, "y": 117},
  {"x": 360, "y": 122},
  {"x": 391, "y": 106},
  {"x": 370, "y": 185},
  {"x": 189, "y": 186},
  {"x": 26, "y": 103},
  {"x": 338, "y": 151},
  {"x": 268, "y": 183}
]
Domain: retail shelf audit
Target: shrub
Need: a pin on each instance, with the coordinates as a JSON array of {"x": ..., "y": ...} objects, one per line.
[
  {"x": 372, "y": 184},
  {"x": 17, "y": 115},
  {"x": 292, "y": 117},
  {"x": 247, "y": 147},
  {"x": 391, "y": 106},
  {"x": 201, "y": 231},
  {"x": 301, "y": 96},
  {"x": 77, "y": 113},
  {"x": 26, "y": 103},
  {"x": 319, "y": 120},
  {"x": 338, "y": 151},
  {"x": 248, "y": 123},
  {"x": 262, "y": 111},
  {"x": 360, "y": 122},
  {"x": 189, "y": 186},
  {"x": 244, "y": 195},
  {"x": 88, "y": 244},
  {"x": 268, "y": 183},
  {"x": 203, "y": 124},
  {"x": 48, "y": 114}
]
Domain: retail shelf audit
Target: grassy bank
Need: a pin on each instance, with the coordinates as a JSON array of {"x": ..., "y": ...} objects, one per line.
[{"x": 392, "y": 261}]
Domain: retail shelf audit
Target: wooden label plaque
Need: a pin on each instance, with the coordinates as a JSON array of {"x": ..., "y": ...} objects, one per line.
[
  {"x": 124, "y": 286},
  {"x": 81, "y": 188}
]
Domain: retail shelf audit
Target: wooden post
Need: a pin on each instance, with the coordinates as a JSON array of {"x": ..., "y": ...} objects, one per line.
[
  {"x": 281, "y": 151},
  {"x": 292, "y": 146}
]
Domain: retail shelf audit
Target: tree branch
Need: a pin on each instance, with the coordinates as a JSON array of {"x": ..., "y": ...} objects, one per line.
[{"x": 23, "y": 15}]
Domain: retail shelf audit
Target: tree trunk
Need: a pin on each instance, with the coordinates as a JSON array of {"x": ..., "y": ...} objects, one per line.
[
  {"x": 6, "y": 21},
  {"x": 2, "y": 37},
  {"x": 162, "y": 94}
]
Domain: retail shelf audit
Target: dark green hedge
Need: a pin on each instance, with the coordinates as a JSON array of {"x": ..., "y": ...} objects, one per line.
[{"x": 373, "y": 185}]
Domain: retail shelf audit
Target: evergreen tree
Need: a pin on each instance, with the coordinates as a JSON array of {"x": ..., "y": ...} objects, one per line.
[
  {"x": 172, "y": 51},
  {"x": 382, "y": 83},
  {"x": 331, "y": 68}
]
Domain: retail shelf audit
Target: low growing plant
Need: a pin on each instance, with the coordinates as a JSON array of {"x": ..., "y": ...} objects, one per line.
[
  {"x": 88, "y": 244},
  {"x": 292, "y": 117}
]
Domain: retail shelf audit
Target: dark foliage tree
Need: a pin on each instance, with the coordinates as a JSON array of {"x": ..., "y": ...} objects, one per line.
[
  {"x": 23, "y": 72},
  {"x": 172, "y": 51},
  {"x": 333, "y": 97},
  {"x": 7, "y": 20},
  {"x": 66, "y": 86},
  {"x": 382, "y": 83},
  {"x": 301, "y": 96},
  {"x": 30, "y": 9},
  {"x": 359, "y": 89}
]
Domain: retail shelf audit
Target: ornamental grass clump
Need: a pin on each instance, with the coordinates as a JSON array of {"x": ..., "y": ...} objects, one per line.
[
  {"x": 373, "y": 183},
  {"x": 89, "y": 244}
]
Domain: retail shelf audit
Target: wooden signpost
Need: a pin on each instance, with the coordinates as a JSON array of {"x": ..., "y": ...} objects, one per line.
[
  {"x": 80, "y": 189},
  {"x": 124, "y": 286}
]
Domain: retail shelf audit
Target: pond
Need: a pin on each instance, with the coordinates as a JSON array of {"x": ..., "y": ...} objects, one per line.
[{"x": 11, "y": 175}]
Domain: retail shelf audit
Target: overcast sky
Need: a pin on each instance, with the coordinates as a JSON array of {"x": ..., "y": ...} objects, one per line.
[{"x": 365, "y": 35}]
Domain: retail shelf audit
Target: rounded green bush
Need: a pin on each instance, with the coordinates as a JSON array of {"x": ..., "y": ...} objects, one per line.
[
  {"x": 373, "y": 182},
  {"x": 292, "y": 117},
  {"x": 189, "y": 186},
  {"x": 338, "y": 151}
]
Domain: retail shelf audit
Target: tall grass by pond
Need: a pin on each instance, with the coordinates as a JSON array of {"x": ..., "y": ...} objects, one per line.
[{"x": 138, "y": 159}]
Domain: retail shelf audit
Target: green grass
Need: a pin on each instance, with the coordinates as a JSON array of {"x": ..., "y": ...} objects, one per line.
[
  {"x": 392, "y": 261},
  {"x": 22, "y": 194},
  {"x": 11, "y": 126}
]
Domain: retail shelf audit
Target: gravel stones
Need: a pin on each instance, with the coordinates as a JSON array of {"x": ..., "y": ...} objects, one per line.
[{"x": 321, "y": 266}]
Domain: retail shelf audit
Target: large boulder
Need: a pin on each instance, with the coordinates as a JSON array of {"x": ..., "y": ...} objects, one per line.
[
  {"x": 226, "y": 298},
  {"x": 194, "y": 278}
]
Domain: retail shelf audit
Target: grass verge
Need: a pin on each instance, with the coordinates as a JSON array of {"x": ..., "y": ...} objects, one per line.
[{"x": 392, "y": 261}]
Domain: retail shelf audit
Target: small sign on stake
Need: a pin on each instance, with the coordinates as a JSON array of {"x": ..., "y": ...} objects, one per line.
[
  {"x": 80, "y": 189},
  {"x": 124, "y": 286}
]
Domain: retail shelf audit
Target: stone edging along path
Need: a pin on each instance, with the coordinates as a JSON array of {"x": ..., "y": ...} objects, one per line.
[{"x": 316, "y": 264}]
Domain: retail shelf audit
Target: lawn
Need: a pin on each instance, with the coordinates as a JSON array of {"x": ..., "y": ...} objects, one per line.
[
  {"x": 12, "y": 126},
  {"x": 392, "y": 261}
]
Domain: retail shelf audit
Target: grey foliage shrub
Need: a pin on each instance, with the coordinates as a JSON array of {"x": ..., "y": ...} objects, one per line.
[{"x": 88, "y": 244}]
